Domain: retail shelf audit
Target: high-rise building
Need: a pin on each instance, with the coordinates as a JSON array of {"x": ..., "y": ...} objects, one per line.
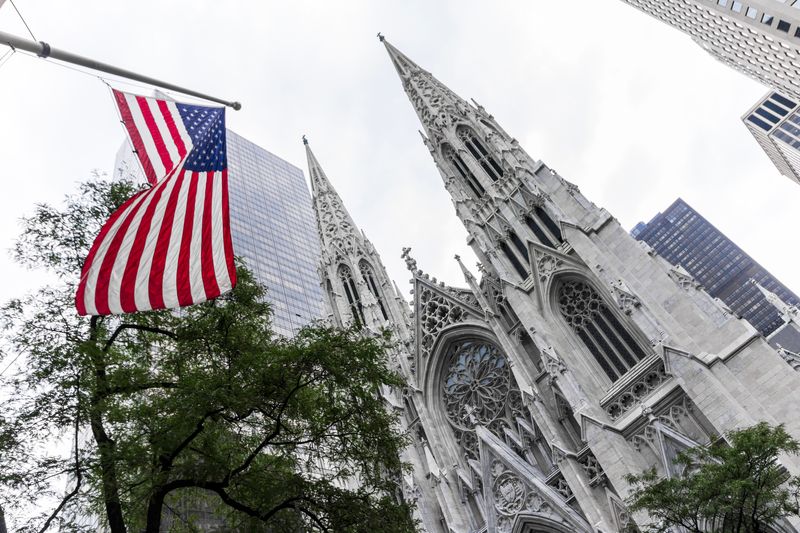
[
  {"x": 685, "y": 238},
  {"x": 760, "y": 38},
  {"x": 775, "y": 123},
  {"x": 580, "y": 356},
  {"x": 272, "y": 228}
]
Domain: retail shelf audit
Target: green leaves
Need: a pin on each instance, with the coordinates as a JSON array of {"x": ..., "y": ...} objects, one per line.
[
  {"x": 734, "y": 486},
  {"x": 201, "y": 408}
]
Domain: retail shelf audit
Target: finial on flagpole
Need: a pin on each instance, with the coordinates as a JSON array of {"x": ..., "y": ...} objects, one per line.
[
  {"x": 305, "y": 141},
  {"x": 380, "y": 37}
]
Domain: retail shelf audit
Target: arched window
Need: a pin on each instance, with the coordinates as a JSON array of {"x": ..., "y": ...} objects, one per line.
[
  {"x": 369, "y": 277},
  {"x": 357, "y": 310},
  {"x": 545, "y": 229},
  {"x": 478, "y": 389},
  {"x": 519, "y": 245},
  {"x": 463, "y": 171},
  {"x": 481, "y": 154},
  {"x": 614, "y": 348},
  {"x": 515, "y": 262}
]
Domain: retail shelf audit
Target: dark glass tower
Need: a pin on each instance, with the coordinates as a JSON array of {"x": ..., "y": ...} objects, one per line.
[
  {"x": 272, "y": 228},
  {"x": 683, "y": 237}
]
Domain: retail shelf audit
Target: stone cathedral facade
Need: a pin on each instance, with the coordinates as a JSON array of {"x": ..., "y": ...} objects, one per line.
[{"x": 578, "y": 357}]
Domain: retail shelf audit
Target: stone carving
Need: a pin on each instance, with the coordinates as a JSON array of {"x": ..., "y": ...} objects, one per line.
[
  {"x": 509, "y": 494},
  {"x": 790, "y": 357},
  {"x": 635, "y": 392},
  {"x": 626, "y": 300},
  {"x": 591, "y": 468},
  {"x": 436, "y": 311},
  {"x": 411, "y": 263},
  {"x": 512, "y": 496},
  {"x": 685, "y": 280},
  {"x": 547, "y": 265},
  {"x": 558, "y": 482}
]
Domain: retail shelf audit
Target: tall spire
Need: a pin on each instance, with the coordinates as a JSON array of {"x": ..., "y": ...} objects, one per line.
[
  {"x": 334, "y": 223},
  {"x": 434, "y": 103}
]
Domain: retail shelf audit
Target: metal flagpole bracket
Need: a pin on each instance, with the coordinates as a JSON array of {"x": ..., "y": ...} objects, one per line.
[
  {"x": 44, "y": 50},
  {"x": 44, "y": 53}
]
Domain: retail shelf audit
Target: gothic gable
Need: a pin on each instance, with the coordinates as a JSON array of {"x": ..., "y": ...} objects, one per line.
[{"x": 515, "y": 494}]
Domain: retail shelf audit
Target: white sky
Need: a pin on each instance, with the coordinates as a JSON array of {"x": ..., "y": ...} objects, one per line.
[{"x": 628, "y": 108}]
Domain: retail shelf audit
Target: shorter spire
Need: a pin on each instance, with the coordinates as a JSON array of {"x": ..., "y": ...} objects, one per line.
[
  {"x": 467, "y": 274},
  {"x": 786, "y": 310}
]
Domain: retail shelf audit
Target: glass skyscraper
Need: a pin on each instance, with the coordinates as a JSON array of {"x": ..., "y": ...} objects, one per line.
[
  {"x": 272, "y": 228},
  {"x": 683, "y": 237}
]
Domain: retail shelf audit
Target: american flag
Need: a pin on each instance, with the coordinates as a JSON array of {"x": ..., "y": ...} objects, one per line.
[{"x": 169, "y": 245}]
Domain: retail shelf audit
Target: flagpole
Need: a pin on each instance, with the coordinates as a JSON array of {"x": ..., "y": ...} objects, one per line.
[{"x": 44, "y": 50}]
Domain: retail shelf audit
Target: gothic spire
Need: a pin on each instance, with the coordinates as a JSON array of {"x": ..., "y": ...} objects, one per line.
[
  {"x": 334, "y": 222},
  {"x": 432, "y": 100}
]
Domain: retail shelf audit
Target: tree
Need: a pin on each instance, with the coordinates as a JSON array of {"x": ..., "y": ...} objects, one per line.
[
  {"x": 202, "y": 405},
  {"x": 731, "y": 487}
]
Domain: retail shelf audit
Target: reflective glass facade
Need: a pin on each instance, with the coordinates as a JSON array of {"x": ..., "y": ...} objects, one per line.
[
  {"x": 272, "y": 227},
  {"x": 683, "y": 237}
]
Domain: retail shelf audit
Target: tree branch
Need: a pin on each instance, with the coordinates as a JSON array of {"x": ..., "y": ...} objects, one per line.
[
  {"x": 138, "y": 327},
  {"x": 266, "y": 440},
  {"x": 132, "y": 388},
  {"x": 78, "y": 470}
]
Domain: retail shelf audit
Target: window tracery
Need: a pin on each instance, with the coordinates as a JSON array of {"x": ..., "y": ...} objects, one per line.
[
  {"x": 481, "y": 154},
  {"x": 584, "y": 310},
  {"x": 351, "y": 292},
  {"x": 369, "y": 276},
  {"x": 478, "y": 389}
]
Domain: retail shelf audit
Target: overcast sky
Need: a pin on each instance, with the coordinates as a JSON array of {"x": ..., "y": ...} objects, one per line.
[{"x": 628, "y": 108}]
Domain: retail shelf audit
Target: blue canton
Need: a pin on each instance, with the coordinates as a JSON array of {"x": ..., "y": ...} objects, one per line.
[{"x": 206, "y": 127}]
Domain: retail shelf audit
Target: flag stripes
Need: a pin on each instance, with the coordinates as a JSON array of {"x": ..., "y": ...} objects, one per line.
[{"x": 169, "y": 245}]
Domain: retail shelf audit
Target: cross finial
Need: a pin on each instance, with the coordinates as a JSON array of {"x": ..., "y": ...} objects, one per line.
[
  {"x": 305, "y": 141},
  {"x": 380, "y": 37}
]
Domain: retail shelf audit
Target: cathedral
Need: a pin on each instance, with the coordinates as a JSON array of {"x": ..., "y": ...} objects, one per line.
[{"x": 573, "y": 357}]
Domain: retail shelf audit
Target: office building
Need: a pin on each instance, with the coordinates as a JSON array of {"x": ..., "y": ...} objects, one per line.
[
  {"x": 685, "y": 238},
  {"x": 272, "y": 228},
  {"x": 760, "y": 38},
  {"x": 775, "y": 123}
]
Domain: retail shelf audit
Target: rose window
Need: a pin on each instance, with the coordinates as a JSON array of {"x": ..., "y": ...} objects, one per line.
[{"x": 478, "y": 389}]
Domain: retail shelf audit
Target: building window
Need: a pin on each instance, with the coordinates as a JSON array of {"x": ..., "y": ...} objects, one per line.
[
  {"x": 515, "y": 262},
  {"x": 751, "y": 12},
  {"x": 475, "y": 147},
  {"x": 736, "y": 6},
  {"x": 613, "y": 347},
  {"x": 784, "y": 26},
  {"x": 369, "y": 277},
  {"x": 519, "y": 245},
  {"x": 767, "y": 19},
  {"x": 463, "y": 170},
  {"x": 353, "y": 300}
]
